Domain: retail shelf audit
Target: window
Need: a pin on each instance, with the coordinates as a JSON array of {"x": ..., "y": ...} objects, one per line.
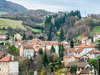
[{"x": 28, "y": 51}]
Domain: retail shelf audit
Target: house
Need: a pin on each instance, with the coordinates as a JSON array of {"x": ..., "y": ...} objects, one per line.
[
  {"x": 48, "y": 44},
  {"x": 80, "y": 58},
  {"x": 65, "y": 44},
  {"x": 68, "y": 58},
  {"x": 3, "y": 37},
  {"x": 96, "y": 37},
  {"x": 93, "y": 53},
  {"x": 26, "y": 51},
  {"x": 83, "y": 68},
  {"x": 83, "y": 40},
  {"x": 18, "y": 43},
  {"x": 17, "y": 36},
  {"x": 9, "y": 66}
]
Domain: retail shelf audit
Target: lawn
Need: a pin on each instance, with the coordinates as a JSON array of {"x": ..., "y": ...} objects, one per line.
[
  {"x": 12, "y": 23},
  {"x": 3, "y": 31},
  {"x": 96, "y": 29},
  {"x": 33, "y": 29},
  {"x": 3, "y": 13}
]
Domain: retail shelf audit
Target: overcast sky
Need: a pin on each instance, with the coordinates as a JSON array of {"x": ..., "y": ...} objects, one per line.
[{"x": 88, "y": 6}]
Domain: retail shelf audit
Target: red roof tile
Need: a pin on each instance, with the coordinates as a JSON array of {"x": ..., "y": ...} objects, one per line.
[
  {"x": 94, "y": 51},
  {"x": 7, "y": 58}
]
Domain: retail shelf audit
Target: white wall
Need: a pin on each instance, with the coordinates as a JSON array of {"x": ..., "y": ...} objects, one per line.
[{"x": 13, "y": 67}]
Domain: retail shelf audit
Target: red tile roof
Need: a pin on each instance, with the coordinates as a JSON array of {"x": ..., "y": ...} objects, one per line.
[
  {"x": 94, "y": 51},
  {"x": 7, "y": 58},
  {"x": 28, "y": 47},
  {"x": 19, "y": 41},
  {"x": 68, "y": 56},
  {"x": 83, "y": 46},
  {"x": 78, "y": 55}
]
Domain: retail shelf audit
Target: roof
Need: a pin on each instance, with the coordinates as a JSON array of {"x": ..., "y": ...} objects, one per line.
[
  {"x": 1, "y": 52},
  {"x": 28, "y": 47},
  {"x": 37, "y": 48},
  {"x": 68, "y": 56},
  {"x": 20, "y": 41},
  {"x": 83, "y": 46},
  {"x": 36, "y": 42},
  {"x": 78, "y": 55},
  {"x": 51, "y": 42},
  {"x": 94, "y": 51},
  {"x": 85, "y": 71},
  {"x": 7, "y": 58},
  {"x": 2, "y": 33},
  {"x": 79, "y": 64},
  {"x": 75, "y": 51}
]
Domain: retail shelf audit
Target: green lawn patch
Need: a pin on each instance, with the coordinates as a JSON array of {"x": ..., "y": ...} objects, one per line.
[
  {"x": 33, "y": 29},
  {"x": 12, "y": 23},
  {"x": 96, "y": 29}
]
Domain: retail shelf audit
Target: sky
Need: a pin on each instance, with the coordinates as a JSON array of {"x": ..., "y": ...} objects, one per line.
[{"x": 85, "y": 6}]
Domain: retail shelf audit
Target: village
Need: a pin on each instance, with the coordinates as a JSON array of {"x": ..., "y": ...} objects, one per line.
[{"x": 78, "y": 55}]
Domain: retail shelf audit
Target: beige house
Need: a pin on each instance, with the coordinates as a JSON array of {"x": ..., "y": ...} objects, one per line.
[
  {"x": 26, "y": 51},
  {"x": 18, "y": 36},
  {"x": 83, "y": 68},
  {"x": 68, "y": 58},
  {"x": 96, "y": 37},
  {"x": 3, "y": 37},
  {"x": 9, "y": 66}
]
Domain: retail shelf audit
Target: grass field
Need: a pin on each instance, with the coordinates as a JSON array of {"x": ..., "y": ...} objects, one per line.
[
  {"x": 12, "y": 23},
  {"x": 2, "y": 13},
  {"x": 96, "y": 29},
  {"x": 33, "y": 29}
]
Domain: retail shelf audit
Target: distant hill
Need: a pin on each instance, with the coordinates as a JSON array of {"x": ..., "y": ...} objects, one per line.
[{"x": 6, "y": 6}]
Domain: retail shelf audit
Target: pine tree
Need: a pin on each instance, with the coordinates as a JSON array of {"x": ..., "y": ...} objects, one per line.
[
  {"x": 50, "y": 32},
  {"x": 45, "y": 59},
  {"x": 40, "y": 51},
  {"x": 61, "y": 51},
  {"x": 71, "y": 43},
  {"x": 24, "y": 36},
  {"x": 52, "y": 49},
  {"x": 61, "y": 36}
]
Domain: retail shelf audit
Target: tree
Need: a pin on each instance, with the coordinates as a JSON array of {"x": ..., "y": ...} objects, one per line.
[
  {"x": 52, "y": 49},
  {"x": 95, "y": 63},
  {"x": 61, "y": 51},
  {"x": 40, "y": 51},
  {"x": 45, "y": 59},
  {"x": 98, "y": 45},
  {"x": 16, "y": 39},
  {"x": 71, "y": 43},
  {"x": 24, "y": 36},
  {"x": 61, "y": 36},
  {"x": 50, "y": 32},
  {"x": 30, "y": 37},
  {"x": 43, "y": 71},
  {"x": 13, "y": 50},
  {"x": 73, "y": 69}
]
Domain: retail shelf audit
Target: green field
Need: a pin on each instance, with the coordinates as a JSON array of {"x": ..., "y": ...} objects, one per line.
[
  {"x": 96, "y": 29},
  {"x": 2, "y": 13},
  {"x": 12, "y": 23},
  {"x": 33, "y": 29}
]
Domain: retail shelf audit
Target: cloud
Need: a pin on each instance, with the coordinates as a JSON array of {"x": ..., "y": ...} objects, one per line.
[{"x": 62, "y": 5}]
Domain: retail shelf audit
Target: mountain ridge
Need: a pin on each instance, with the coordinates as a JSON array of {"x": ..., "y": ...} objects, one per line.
[{"x": 6, "y": 6}]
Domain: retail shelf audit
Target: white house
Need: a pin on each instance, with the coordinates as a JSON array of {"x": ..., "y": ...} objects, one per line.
[
  {"x": 3, "y": 37},
  {"x": 48, "y": 45},
  {"x": 96, "y": 37},
  {"x": 17, "y": 36},
  {"x": 26, "y": 51},
  {"x": 93, "y": 54},
  {"x": 81, "y": 49},
  {"x": 9, "y": 66}
]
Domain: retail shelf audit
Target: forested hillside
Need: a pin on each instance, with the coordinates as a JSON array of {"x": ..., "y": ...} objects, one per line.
[{"x": 71, "y": 24}]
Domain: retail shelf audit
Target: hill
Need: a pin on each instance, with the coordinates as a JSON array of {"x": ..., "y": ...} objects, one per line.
[
  {"x": 11, "y": 23},
  {"x": 6, "y": 6}
]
